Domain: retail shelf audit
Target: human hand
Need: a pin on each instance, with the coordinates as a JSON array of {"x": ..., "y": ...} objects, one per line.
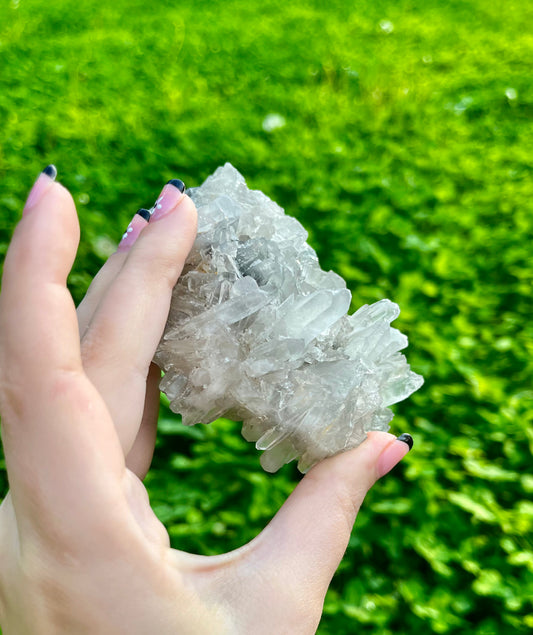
[{"x": 80, "y": 549}]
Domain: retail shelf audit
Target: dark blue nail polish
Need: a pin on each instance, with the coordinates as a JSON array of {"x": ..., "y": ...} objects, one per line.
[
  {"x": 177, "y": 183},
  {"x": 406, "y": 438},
  {"x": 144, "y": 213},
  {"x": 51, "y": 171}
]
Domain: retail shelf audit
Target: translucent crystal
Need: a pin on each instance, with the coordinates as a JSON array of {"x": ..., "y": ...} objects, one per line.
[{"x": 259, "y": 333}]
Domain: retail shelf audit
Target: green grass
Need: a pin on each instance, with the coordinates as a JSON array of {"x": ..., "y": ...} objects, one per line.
[{"x": 406, "y": 153}]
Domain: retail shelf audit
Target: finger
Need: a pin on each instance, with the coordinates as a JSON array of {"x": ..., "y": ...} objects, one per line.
[
  {"x": 53, "y": 422},
  {"x": 140, "y": 456},
  {"x": 98, "y": 289},
  {"x": 107, "y": 274},
  {"x": 38, "y": 261},
  {"x": 120, "y": 342},
  {"x": 306, "y": 540}
]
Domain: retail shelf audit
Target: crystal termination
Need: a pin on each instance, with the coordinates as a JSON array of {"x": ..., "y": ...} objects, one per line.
[{"x": 258, "y": 333}]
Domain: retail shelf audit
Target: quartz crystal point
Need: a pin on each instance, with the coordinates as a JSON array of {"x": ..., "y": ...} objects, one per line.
[{"x": 257, "y": 332}]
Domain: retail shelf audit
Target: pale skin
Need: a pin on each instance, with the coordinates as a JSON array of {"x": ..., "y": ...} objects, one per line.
[{"x": 81, "y": 551}]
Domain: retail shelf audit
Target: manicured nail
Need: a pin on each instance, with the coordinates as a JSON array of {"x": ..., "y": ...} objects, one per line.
[
  {"x": 138, "y": 223},
  {"x": 168, "y": 199},
  {"x": 394, "y": 453},
  {"x": 406, "y": 438},
  {"x": 41, "y": 185}
]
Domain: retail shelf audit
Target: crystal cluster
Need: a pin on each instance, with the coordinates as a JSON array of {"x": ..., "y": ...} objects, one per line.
[{"x": 257, "y": 332}]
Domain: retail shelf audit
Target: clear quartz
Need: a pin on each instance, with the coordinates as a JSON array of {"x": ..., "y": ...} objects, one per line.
[{"x": 259, "y": 333}]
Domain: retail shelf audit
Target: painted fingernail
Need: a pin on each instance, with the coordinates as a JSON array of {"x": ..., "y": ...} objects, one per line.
[
  {"x": 168, "y": 199},
  {"x": 138, "y": 223},
  {"x": 394, "y": 453},
  {"x": 406, "y": 438},
  {"x": 41, "y": 185}
]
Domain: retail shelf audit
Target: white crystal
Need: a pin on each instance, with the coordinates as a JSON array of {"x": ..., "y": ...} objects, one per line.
[{"x": 259, "y": 333}]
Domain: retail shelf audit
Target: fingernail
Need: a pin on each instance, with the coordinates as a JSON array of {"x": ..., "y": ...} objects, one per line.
[
  {"x": 138, "y": 223},
  {"x": 168, "y": 199},
  {"x": 406, "y": 438},
  {"x": 394, "y": 453},
  {"x": 41, "y": 185}
]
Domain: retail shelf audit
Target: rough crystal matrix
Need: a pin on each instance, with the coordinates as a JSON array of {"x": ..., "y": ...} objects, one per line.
[{"x": 257, "y": 332}]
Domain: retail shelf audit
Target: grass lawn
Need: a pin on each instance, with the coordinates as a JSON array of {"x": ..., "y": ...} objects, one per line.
[{"x": 400, "y": 135}]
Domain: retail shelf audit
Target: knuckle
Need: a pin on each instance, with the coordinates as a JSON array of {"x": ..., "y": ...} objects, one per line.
[
  {"x": 165, "y": 268},
  {"x": 12, "y": 398},
  {"x": 66, "y": 383},
  {"x": 91, "y": 347},
  {"x": 346, "y": 502},
  {"x": 345, "y": 498}
]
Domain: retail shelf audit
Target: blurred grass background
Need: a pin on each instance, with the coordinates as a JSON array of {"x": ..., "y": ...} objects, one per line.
[{"x": 400, "y": 134}]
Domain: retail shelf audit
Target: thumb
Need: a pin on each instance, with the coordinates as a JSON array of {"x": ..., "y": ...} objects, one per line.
[{"x": 308, "y": 536}]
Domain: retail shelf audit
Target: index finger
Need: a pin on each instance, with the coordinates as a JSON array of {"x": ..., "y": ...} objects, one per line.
[{"x": 61, "y": 450}]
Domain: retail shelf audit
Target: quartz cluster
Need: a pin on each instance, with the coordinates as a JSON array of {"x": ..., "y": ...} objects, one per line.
[{"x": 259, "y": 333}]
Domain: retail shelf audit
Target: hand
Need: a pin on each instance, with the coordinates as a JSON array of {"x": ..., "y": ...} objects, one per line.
[{"x": 80, "y": 549}]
